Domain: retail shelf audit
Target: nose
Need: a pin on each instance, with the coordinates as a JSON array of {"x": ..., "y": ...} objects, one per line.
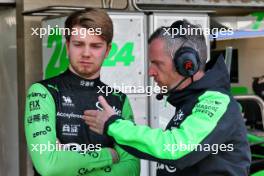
[
  {"x": 152, "y": 71},
  {"x": 86, "y": 52}
]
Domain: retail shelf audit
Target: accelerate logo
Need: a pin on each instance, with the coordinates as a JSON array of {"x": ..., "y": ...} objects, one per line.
[{"x": 69, "y": 115}]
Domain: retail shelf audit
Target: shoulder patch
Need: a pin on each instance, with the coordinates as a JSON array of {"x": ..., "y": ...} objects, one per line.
[{"x": 211, "y": 104}]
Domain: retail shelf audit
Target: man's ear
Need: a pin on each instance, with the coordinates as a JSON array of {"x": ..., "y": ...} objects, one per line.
[{"x": 109, "y": 46}]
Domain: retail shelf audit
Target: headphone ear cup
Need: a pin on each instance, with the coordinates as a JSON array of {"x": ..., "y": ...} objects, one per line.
[{"x": 186, "y": 61}]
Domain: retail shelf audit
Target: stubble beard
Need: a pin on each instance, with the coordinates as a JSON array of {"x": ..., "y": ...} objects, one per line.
[{"x": 83, "y": 71}]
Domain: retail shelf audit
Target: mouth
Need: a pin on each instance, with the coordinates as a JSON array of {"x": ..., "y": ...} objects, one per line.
[
  {"x": 156, "y": 80},
  {"x": 85, "y": 63}
]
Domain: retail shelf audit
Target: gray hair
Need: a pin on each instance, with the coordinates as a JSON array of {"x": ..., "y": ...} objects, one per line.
[{"x": 193, "y": 38}]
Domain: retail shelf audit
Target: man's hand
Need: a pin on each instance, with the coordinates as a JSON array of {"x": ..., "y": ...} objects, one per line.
[{"x": 96, "y": 119}]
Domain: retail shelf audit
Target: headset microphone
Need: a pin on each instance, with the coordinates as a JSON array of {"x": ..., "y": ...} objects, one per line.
[{"x": 161, "y": 95}]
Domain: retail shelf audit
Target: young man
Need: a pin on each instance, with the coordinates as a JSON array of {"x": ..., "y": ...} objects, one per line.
[
  {"x": 207, "y": 135},
  {"x": 54, "y": 108}
]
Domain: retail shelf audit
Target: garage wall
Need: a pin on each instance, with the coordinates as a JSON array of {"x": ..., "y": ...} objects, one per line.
[
  {"x": 8, "y": 97},
  {"x": 250, "y": 58}
]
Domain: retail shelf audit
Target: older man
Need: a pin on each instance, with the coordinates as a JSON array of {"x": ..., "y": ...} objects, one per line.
[{"x": 207, "y": 135}]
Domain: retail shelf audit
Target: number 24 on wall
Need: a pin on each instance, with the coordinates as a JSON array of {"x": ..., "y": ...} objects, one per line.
[{"x": 59, "y": 61}]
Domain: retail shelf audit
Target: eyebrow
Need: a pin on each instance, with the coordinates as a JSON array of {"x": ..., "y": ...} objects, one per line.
[
  {"x": 79, "y": 41},
  {"x": 155, "y": 61},
  {"x": 92, "y": 43},
  {"x": 96, "y": 43}
]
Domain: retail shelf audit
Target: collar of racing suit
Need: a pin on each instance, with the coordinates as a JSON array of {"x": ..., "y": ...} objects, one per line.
[{"x": 78, "y": 81}]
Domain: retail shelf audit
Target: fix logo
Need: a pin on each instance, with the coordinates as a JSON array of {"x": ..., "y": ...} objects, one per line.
[
  {"x": 117, "y": 111},
  {"x": 87, "y": 83},
  {"x": 34, "y": 105},
  {"x": 67, "y": 101}
]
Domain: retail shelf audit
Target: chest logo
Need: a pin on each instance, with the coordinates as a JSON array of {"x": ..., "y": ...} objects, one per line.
[
  {"x": 178, "y": 116},
  {"x": 117, "y": 111},
  {"x": 67, "y": 101},
  {"x": 167, "y": 168},
  {"x": 87, "y": 83},
  {"x": 70, "y": 130},
  {"x": 177, "y": 119}
]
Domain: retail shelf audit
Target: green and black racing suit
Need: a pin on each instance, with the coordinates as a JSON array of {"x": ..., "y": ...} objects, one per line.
[
  {"x": 54, "y": 110},
  {"x": 205, "y": 137}
]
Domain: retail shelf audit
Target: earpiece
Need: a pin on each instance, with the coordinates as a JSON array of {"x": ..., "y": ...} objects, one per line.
[{"x": 186, "y": 61}]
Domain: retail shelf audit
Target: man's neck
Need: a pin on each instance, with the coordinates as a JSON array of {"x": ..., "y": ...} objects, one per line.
[{"x": 89, "y": 77}]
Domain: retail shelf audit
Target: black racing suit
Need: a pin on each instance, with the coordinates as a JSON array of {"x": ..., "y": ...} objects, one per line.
[{"x": 54, "y": 110}]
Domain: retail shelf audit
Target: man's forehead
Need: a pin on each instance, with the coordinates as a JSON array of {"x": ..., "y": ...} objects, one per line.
[
  {"x": 156, "y": 50},
  {"x": 157, "y": 46},
  {"x": 87, "y": 38},
  {"x": 90, "y": 40},
  {"x": 157, "y": 43}
]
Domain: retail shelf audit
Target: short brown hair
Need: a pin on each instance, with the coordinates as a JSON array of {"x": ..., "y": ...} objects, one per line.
[{"x": 91, "y": 18}]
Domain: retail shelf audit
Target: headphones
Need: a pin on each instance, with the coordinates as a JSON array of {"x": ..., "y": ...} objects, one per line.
[{"x": 186, "y": 61}]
